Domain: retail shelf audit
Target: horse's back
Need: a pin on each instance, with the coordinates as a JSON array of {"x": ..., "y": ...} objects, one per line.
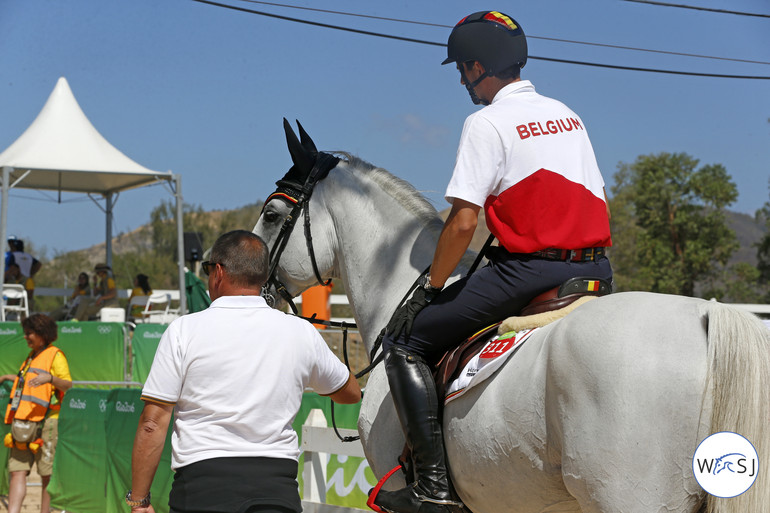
[{"x": 570, "y": 414}]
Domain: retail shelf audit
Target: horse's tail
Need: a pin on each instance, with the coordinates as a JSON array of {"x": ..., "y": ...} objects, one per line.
[{"x": 739, "y": 376}]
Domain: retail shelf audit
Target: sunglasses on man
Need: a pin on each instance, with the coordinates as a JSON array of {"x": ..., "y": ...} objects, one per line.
[{"x": 209, "y": 266}]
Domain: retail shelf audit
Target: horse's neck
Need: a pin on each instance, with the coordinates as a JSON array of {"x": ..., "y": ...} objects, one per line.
[{"x": 381, "y": 249}]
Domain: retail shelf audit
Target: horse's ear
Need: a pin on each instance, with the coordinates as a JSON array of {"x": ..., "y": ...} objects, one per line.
[
  {"x": 299, "y": 155},
  {"x": 307, "y": 142}
]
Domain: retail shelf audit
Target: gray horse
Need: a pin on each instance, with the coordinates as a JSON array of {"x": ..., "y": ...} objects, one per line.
[{"x": 599, "y": 412}]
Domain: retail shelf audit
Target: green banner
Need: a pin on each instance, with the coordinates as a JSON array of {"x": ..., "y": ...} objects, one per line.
[
  {"x": 79, "y": 479},
  {"x": 13, "y": 351},
  {"x": 144, "y": 343},
  {"x": 95, "y": 350},
  {"x": 5, "y": 395},
  {"x": 124, "y": 408},
  {"x": 13, "y": 348}
]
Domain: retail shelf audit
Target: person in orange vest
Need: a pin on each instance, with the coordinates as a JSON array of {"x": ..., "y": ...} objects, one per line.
[{"x": 36, "y": 396}]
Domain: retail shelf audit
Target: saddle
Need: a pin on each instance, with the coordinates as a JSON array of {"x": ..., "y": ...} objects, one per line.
[{"x": 555, "y": 299}]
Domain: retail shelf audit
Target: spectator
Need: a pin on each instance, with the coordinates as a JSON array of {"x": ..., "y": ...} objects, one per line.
[
  {"x": 79, "y": 294},
  {"x": 105, "y": 293},
  {"x": 13, "y": 275},
  {"x": 38, "y": 390},
  {"x": 141, "y": 288},
  {"x": 233, "y": 376},
  {"x": 28, "y": 264}
]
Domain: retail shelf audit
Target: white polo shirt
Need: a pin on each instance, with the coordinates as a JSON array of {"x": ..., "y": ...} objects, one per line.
[
  {"x": 236, "y": 373},
  {"x": 528, "y": 161}
]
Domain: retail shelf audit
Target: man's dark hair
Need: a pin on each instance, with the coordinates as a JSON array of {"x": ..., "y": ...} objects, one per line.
[
  {"x": 244, "y": 256},
  {"x": 42, "y": 325},
  {"x": 512, "y": 72}
]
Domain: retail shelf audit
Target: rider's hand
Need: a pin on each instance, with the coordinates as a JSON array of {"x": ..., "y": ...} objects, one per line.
[{"x": 404, "y": 317}]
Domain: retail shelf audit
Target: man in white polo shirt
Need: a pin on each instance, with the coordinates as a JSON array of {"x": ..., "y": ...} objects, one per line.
[
  {"x": 527, "y": 161},
  {"x": 233, "y": 376}
]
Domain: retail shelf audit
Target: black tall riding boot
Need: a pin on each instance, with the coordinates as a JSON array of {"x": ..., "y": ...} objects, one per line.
[{"x": 414, "y": 393}]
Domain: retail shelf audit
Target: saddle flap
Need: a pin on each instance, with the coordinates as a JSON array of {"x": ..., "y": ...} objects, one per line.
[{"x": 455, "y": 360}]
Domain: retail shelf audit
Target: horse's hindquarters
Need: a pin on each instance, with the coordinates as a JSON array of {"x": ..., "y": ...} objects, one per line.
[{"x": 626, "y": 378}]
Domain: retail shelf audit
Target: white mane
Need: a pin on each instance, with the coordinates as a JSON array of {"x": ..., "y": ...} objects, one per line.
[{"x": 400, "y": 190}]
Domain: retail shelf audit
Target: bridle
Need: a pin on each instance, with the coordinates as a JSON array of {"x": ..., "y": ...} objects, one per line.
[{"x": 299, "y": 195}]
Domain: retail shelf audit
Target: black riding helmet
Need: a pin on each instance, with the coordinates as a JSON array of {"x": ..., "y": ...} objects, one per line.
[{"x": 492, "y": 38}]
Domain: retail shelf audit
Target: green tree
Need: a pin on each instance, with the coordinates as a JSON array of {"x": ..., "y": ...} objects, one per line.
[
  {"x": 669, "y": 227},
  {"x": 739, "y": 283}
]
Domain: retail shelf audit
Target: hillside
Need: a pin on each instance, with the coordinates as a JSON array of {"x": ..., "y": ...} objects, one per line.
[{"x": 748, "y": 231}]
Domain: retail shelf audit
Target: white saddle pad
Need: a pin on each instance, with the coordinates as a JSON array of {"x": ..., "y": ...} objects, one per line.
[{"x": 487, "y": 361}]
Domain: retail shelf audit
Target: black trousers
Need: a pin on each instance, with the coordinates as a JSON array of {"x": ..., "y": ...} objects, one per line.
[
  {"x": 236, "y": 485},
  {"x": 494, "y": 292}
]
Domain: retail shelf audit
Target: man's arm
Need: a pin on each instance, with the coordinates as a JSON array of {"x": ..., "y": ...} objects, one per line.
[
  {"x": 350, "y": 393},
  {"x": 148, "y": 446},
  {"x": 455, "y": 238}
]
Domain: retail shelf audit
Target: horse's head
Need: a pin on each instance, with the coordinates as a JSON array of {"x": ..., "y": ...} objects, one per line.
[{"x": 299, "y": 257}]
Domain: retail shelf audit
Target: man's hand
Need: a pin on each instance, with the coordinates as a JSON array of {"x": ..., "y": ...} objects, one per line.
[{"x": 404, "y": 317}]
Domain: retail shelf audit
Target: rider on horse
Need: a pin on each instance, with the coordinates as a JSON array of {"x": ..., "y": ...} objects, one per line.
[{"x": 527, "y": 161}]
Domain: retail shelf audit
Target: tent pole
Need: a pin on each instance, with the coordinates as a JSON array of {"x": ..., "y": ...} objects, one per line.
[
  {"x": 4, "y": 225},
  {"x": 108, "y": 242},
  {"x": 180, "y": 243}
]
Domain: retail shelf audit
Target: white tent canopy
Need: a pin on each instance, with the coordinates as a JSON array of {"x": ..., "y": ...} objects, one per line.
[{"x": 62, "y": 151}]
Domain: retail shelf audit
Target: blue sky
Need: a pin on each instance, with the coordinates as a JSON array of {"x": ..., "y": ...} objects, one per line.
[{"x": 202, "y": 91}]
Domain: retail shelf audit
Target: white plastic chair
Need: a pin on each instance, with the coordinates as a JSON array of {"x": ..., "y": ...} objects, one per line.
[
  {"x": 156, "y": 308},
  {"x": 18, "y": 295}
]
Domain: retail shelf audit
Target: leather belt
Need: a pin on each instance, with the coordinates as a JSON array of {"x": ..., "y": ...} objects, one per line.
[{"x": 571, "y": 255}]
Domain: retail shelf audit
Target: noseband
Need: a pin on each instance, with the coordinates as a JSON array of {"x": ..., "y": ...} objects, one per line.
[{"x": 298, "y": 195}]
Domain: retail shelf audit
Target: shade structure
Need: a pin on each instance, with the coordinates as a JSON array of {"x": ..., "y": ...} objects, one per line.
[{"x": 62, "y": 151}]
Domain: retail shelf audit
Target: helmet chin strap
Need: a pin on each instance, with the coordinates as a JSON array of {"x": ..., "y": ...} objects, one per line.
[{"x": 471, "y": 86}]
